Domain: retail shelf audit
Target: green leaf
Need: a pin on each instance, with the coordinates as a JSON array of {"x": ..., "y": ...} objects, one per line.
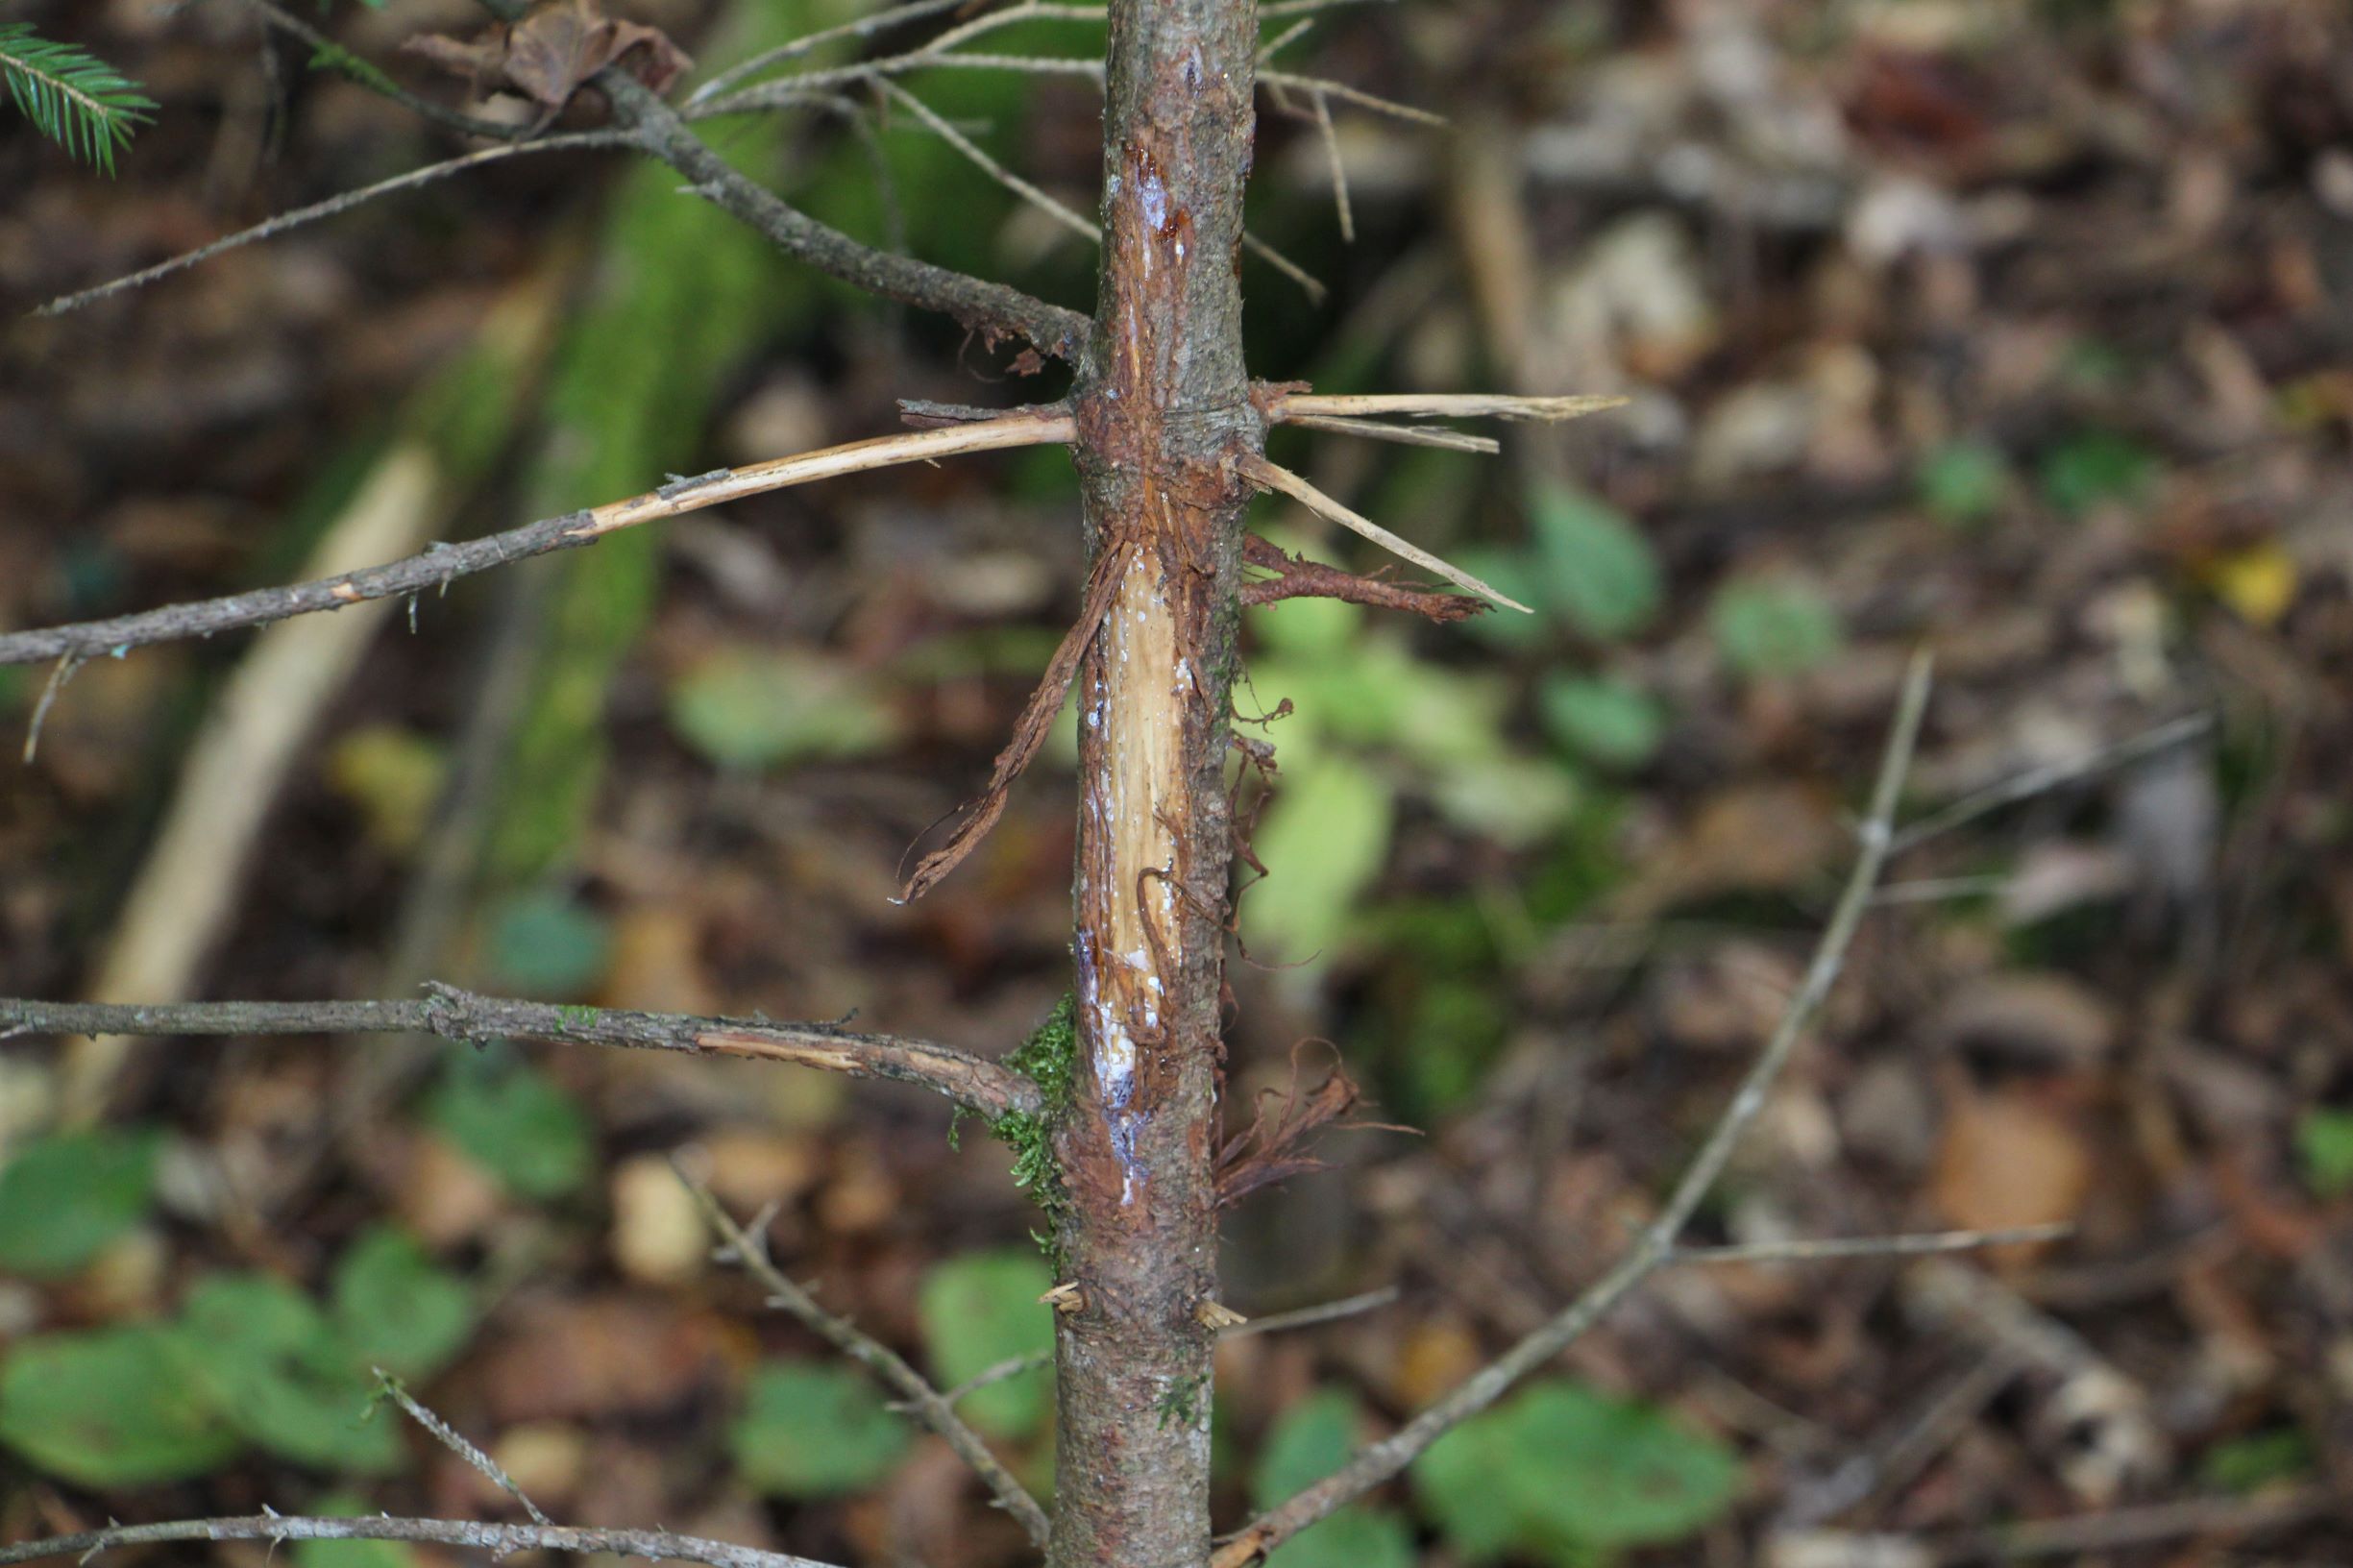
[
  {"x": 1441, "y": 717},
  {"x": 1964, "y": 482},
  {"x": 71, "y": 96},
  {"x": 747, "y": 710},
  {"x": 65, "y": 1196},
  {"x": 1598, "y": 571},
  {"x": 1310, "y": 628},
  {"x": 1602, "y": 720},
  {"x": 113, "y": 1408},
  {"x": 1562, "y": 1472},
  {"x": 981, "y": 1309},
  {"x": 351, "y": 1554},
  {"x": 2095, "y": 466},
  {"x": 396, "y": 1309},
  {"x": 2259, "y": 1460},
  {"x": 1770, "y": 626},
  {"x": 812, "y": 1431},
  {"x": 1355, "y": 1537},
  {"x": 272, "y": 1362},
  {"x": 546, "y": 944},
  {"x": 330, "y": 56},
  {"x": 1514, "y": 800},
  {"x": 1311, "y": 1439},
  {"x": 1519, "y": 575},
  {"x": 514, "y": 1120},
  {"x": 1462, "y": 1494},
  {"x": 1324, "y": 837},
  {"x": 2324, "y": 1148}
]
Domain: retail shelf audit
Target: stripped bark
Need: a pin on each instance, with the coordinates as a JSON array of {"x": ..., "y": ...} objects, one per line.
[{"x": 1165, "y": 420}]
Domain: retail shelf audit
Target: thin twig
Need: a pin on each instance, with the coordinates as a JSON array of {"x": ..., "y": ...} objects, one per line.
[
  {"x": 1279, "y": 9},
  {"x": 1934, "y": 890},
  {"x": 381, "y": 83},
  {"x": 1284, "y": 39},
  {"x": 500, "y": 1540},
  {"x": 2092, "y": 1535},
  {"x": 1339, "y": 169},
  {"x": 1920, "y": 1245},
  {"x": 67, "y": 664},
  {"x": 991, "y": 308},
  {"x": 1273, "y": 476},
  {"x": 988, "y": 166},
  {"x": 647, "y": 123},
  {"x": 771, "y": 94},
  {"x": 1308, "y": 284},
  {"x": 1304, "y": 1317},
  {"x": 1031, "y": 10},
  {"x": 2036, "y": 781},
  {"x": 1054, "y": 208},
  {"x": 862, "y": 27},
  {"x": 986, "y": 1086},
  {"x": 781, "y": 94},
  {"x": 449, "y": 1437},
  {"x": 920, "y": 1398},
  {"x": 1656, "y": 1244},
  {"x": 1371, "y": 1301},
  {"x": 1351, "y": 95},
  {"x": 1410, "y": 436},
  {"x": 435, "y": 569},
  {"x": 334, "y": 207},
  {"x": 1004, "y": 1371},
  {"x": 1440, "y": 405}
]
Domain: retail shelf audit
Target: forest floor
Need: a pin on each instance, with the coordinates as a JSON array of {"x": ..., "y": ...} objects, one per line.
[{"x": 2019, "y": 331}]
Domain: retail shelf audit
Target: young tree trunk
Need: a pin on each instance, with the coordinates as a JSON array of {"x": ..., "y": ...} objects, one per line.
[{"x": 1163, "y": 415}]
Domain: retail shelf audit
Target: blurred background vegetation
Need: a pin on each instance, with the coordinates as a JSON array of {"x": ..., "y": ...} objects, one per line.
[{"x": 2015, "y": 328}]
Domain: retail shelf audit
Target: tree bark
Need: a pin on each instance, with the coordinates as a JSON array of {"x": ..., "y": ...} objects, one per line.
[{"x": 1164, "y": 417}]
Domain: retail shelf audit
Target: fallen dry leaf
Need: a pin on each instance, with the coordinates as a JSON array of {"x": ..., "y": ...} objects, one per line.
[
  {"x": 581, "y": 1360},
  {"x": 2035, "y": 1018},
  {"x": 659, "y": 1234},
  {"x": 549, "y": 54},
  {"x": 2008, "y": 1161}
]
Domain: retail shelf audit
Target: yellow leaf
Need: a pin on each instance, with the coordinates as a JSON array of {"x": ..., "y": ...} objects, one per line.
[{"x": 2258, "y": 583}]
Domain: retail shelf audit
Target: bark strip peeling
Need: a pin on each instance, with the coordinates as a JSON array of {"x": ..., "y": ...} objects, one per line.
[{"x": 1165, "y": 420}]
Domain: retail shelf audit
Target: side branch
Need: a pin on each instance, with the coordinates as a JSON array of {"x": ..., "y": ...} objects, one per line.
[
  {"x": 889, "y": 1369},
  {"x": 1292, "y": 405},
  {"x": 994, "y": 309},
  {"x": 658, "y": 1545},
  {"x": 334, "y": 207},
  {"x": 986, "y": 1086},
  {"x": 1297, "y": 577},
  {"x": 1657, "y": 1246},
  {"x": 1268, "y": 475},
  {"x": 439, "y": 567}
]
